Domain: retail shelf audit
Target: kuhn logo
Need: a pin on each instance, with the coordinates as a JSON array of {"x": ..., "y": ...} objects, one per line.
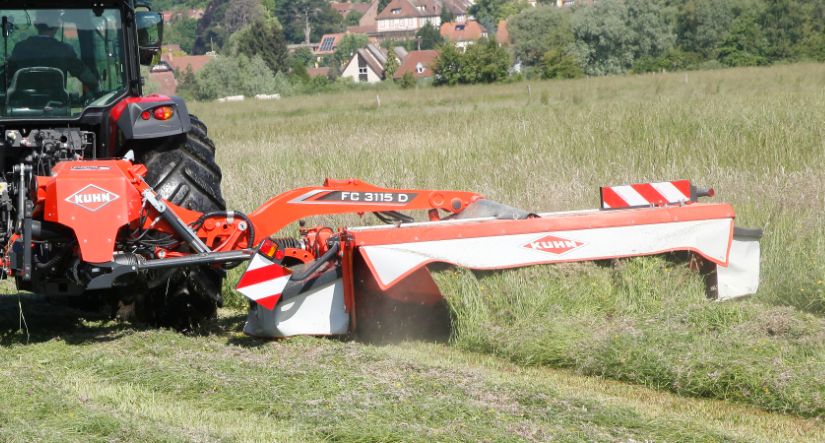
[
  {"x": 92, "y": 198},
  {"x": 554, "y": 245}
]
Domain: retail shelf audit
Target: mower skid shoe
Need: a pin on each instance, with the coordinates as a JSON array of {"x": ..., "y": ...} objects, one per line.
[
  {"x": 741, "y": 276},
  {"x": 314, "y": 306}
]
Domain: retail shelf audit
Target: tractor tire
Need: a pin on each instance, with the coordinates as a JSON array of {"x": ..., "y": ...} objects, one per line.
[{"x": 183, "y": 171}]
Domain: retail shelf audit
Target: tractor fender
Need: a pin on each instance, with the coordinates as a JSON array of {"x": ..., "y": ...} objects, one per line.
[{"x": 128, "y": 116}]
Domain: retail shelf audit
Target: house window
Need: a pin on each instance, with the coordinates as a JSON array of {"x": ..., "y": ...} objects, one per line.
[
  {"x": 459, "y": 27},
  {"x": 419, "y": 68},
  {"x": 396, "y": 11},
  {"x": 362, "y": 71}
]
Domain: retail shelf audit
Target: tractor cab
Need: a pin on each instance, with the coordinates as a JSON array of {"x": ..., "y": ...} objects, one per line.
[{"x": 60, "y": 59}]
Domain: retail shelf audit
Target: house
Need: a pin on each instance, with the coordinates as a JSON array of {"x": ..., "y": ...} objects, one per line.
[
  {"x": 367, "y": 65},
  {"x": 563, "y": 3},
  {"x": 463, "y": 34},
  {"x": 460, "y": 9},
  {"x": 165, "y": 81},
  {"x": 403, "y": 18},
  {"x": 418, "y": 63},
  {"x": 329, "y": 43},
  {"x": 181, "y": 62},
  {"x": 368, "y": 22},
  {"x": 177, "y": 14},
  {"x": 502, "y": 34}
]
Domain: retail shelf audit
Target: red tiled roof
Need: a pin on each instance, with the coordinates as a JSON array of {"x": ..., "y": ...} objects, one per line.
[
  {"x": 197, "y": 62},
  {"x": 318, "y": 72},
  {"x": 503, "y": 34},
  {"x": 462, "y": 32},
  {"x": 411, "y": 62},
  {"x": 360, "y": 7},
  {"x": 403, "y": 7},
  {"x": 167, "y": 85},
  {"x": 361, "y": 29},
  {"x": 410, "y": 9}
]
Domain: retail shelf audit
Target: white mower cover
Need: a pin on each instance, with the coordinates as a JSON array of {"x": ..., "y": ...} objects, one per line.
[{"x": 737, "y": 261}]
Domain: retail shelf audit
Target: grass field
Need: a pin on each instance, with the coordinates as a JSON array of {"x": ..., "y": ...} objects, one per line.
[{"x": 533, "y": 350}]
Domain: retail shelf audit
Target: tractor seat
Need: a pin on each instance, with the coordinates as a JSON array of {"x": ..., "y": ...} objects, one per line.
[{"x": 36, "y": 88}]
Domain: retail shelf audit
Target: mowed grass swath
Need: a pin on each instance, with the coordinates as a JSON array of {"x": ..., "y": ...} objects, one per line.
[{"x": 756, "y": 135}]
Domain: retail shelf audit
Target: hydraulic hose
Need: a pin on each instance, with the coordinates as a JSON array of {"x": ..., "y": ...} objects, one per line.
[{"x": 329, "y": 255}]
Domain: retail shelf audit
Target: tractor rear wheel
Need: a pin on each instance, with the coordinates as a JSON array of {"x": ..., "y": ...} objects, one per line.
[{"x": 182, "y": 170}]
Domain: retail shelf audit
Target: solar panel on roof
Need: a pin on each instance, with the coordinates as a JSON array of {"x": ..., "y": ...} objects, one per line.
[{"x": 326, "y": 45}]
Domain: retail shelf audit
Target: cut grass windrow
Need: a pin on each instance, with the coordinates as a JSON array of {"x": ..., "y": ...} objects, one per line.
[{"x": 111, "y": 383}]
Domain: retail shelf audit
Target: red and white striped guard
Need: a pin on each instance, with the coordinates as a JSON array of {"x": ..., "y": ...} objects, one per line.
[
  {"x": 646, "y": 194},
  {"x": 264, "y": 281}
]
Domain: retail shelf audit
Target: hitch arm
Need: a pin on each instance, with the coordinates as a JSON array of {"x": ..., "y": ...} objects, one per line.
[{"x": 351, "y": 196}]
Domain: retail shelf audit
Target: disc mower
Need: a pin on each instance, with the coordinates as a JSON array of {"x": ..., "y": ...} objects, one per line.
[{"x": 113, "y": 198}]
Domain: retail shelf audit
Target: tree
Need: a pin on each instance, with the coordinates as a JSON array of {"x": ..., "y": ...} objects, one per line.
[
  {"x": 447, "y": 67},
  {"x": 188, "y": 84},
  {"x": 312, "y": 17},
  {"x": 780, "y": 23},
  {"x": 391, "y": 65},
  {"x": 182, "y": 32},
  {"x": 701, "y": 24},
  {"x": 302, "y": 56},
  {"x": 353, "y": 18},
  {"x": 558, "y": 64},
  {"x": 653, "y": 27},
  {"x": 533, "y": 33},
  {"x": 428, "y": 37},
  {"x": 240, "y": 13},
  {"x": 745, "y": 44},
  {"x": 239, "y": 75},
  {"x": 211, "y": 31},
  {"x": 484, "y": 62},
  {"x": 348, "y": 45},
  {"x": 263, "y": 38},
  {"x": 604, "y": 43},
  {"x": 407, "y": 81},
  {"x": 447, "y": 15},
  {"x": 490, "y": 12}
]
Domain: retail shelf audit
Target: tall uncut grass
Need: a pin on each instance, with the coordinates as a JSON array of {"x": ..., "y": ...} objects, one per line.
[{"x": 757, "y": 135}]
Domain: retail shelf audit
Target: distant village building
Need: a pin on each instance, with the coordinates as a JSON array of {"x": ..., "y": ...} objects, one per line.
[
  {"x": 563, "y": 3},
  {"x": 322, "y": 71},
  {"x": 463, "y": 34},
  {"x": 367, "y": 64},
  {"x": 417, "y": 63},
  {"x": 403, "y": 18},
  {"x": 460, "y": 9},
  {"x": 173, "y": 64},
  {"x": 177, "y": 14},
  {"x": 503, "y": 33}
]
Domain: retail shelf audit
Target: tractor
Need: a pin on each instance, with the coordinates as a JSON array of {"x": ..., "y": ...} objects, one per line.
[{"x": 72, "y": 90}]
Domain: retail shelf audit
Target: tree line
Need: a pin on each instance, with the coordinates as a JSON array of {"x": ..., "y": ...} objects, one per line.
[{"x": 619, "y": 36}]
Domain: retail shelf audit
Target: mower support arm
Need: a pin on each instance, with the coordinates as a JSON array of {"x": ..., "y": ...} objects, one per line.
[{"x": 351, "y": 196}]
